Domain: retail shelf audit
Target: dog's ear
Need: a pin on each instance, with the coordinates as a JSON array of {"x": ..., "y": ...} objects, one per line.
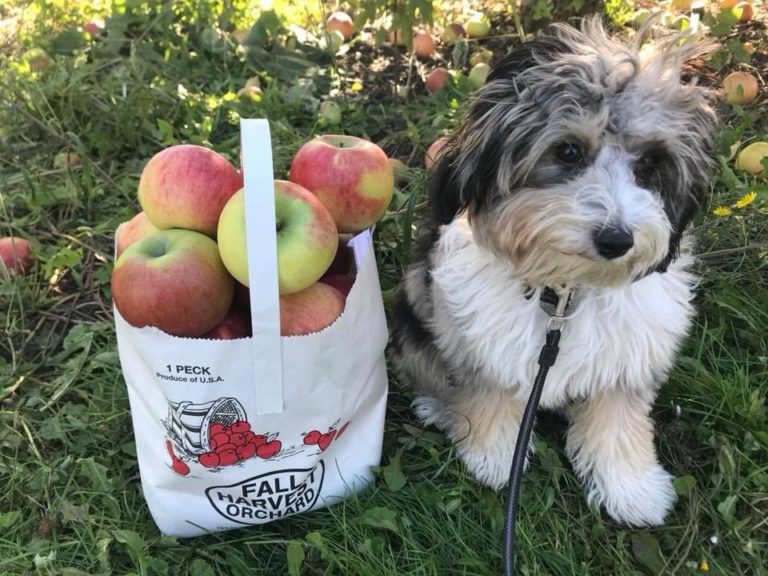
[{"x": 463, "y": 177}]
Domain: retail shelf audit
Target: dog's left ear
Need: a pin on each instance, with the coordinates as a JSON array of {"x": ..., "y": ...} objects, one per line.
[{"x": 464, "y": 177}]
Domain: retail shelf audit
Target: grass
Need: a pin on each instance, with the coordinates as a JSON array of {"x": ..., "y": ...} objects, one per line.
[{"x": 71, "y": 502}]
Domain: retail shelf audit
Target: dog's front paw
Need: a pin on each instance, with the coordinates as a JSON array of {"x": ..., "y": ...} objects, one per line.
[
  {"x": 490, "y": 468},
  {"x": 638, "y": 500}
]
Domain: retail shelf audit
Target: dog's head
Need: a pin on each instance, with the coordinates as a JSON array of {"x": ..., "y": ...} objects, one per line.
[{"x": 582, "y": 159}]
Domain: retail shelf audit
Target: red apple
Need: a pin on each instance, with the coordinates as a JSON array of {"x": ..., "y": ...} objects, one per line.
[
  {"x": 174, "y": 280},
  {"x": 341, "y": 22},
  {"x": 437, "y": 79},
  {"x": 453, "y": 32},
  {"x": 93, "y": 27},
  {"x": 307, "y": 239},
  {"x": 269, "y": 449},
  {"x": 351, "y": 177},
  {"x": 745, "y": 11},
  {"x": 209, "y": 459},
  {"x": 132, "y": 231},
  {"x": 15, "y": 256},
  {"x": 423, "y": 44},
  {"x": 311, "y": 437},
  {"x": 433, "y": 151},
  {"x": 341, "y": 282},
  {"x": 310, "y": 310},
  {"x": 186, "y": 186},
  {"x": 236, "y": 324},
  {"x": 325, "y": 440}
]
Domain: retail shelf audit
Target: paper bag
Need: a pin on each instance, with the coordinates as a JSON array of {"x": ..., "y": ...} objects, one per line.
[{"x": 233, "y": 433}]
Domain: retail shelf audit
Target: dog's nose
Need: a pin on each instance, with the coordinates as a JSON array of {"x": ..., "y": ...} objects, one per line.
[{"x": 613, "y": 242}]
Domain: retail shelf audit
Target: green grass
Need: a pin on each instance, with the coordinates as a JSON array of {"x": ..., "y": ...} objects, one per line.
[{"x": 70, "y": 498}]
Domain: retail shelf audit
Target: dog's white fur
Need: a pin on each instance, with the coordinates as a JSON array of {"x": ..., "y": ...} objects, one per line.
[{"x": 616, "y": 347}]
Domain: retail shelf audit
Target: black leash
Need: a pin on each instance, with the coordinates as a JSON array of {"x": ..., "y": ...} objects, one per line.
[{"x": 547, "y": 358}]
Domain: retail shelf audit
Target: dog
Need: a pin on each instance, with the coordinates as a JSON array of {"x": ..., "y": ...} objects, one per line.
[{"x": 580, "y": 164}]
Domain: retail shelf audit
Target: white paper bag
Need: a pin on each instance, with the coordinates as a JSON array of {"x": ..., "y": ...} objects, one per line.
[{"x": 304, "y": 414}]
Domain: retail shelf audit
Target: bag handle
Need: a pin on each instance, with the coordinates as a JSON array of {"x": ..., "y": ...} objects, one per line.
[{"x": 261, "y": 244}]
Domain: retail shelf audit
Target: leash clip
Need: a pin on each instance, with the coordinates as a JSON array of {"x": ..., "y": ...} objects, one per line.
[{"x": 561, "y": 298}]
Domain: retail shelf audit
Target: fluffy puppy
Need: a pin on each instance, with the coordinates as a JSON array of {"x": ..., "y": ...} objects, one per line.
[{"x": 580, "y": 163}]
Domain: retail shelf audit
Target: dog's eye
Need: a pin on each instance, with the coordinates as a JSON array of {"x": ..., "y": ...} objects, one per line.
[
  {"x": 569, "y": 153},
  {"x": 653, "y": 169}
]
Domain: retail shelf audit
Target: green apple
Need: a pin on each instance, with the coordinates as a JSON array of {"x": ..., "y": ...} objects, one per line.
[
  {"x": 478, "y": 74},
  {"x": 307, "y": 239},
  {"x": 174, "y": 280},
  {"x": 186, "y": 186},
  {"x": 477, "y": 26},
  {"x": 750, "y": 159},
  {"x": 351, "y": 177}
]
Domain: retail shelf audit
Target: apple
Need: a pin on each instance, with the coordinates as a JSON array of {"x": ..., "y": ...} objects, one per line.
[
  {"x": 727, "y": 4},
  {"x": 330, "y": 112},
  {"x": 399, "y": 171},
  {"x": 93, "y": 27},
  {"x": 641, "y": 17},
  {"x": 433, "y": 151},
  {"x": 15, "y": 256},
  {"x": 236, "y": 324},
  {"x": 350, "y": 176},
  {"x": 745, "y": 11},
  {"x": 477, "y": 26},
  {"x": 174, "y": 280},
  {"x": 341, "y": 282},
  {"x": 423, "y": 44},
  {"x": 750, "y": 159},
  {"x": 483, "y": 55},
  {"x": 307, "y": 239},
  {"x": 341, "y": 22},
  {"x": 478, "y": 74},
  {"x": 310, "y": 310},
  {"x": 740, "y": 88},
  {"x": 452, "y": 33},
  {"x": 186, "y": 186},
  {"x": 269, "y": 449},
  {"x": 132, "y": 231},
  {"x": 436, "y": 79},
  {"x": 64, "y": 160},
  {"x": 682, "y": 22}
]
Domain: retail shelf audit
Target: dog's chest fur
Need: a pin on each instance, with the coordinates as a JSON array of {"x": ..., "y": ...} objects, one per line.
[{"x": 489, "y": 333}]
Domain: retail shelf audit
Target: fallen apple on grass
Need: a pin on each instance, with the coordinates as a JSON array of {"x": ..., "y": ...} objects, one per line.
[
  {"x": 745, "y": 11},
  {"x": 307, "y": 239},
  {"x": 483, "y": 55},
  {"x": 740, "y": 88},
  {"x": 477, "y": 26},
  {"x": 478, "y": 74},
  {"x": 173, "y": 280},
  {"x": 433, "y": 151},
  {"x": 423, "y": 44},
  {"x": 310, "y": 310},
  {"x": 132, "y": 231},
  {"x": 186, "y": 186},
  {"x": 15, "y": 256},
  {"x": 750, "y": 159},
  {"x": 350, "y": 176},
  {"x": 437, "y": 79},
  {"x": 341, "y": 22},
  {"x": 330, "y": 113},
  {"x": 452, "y": 33}
]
